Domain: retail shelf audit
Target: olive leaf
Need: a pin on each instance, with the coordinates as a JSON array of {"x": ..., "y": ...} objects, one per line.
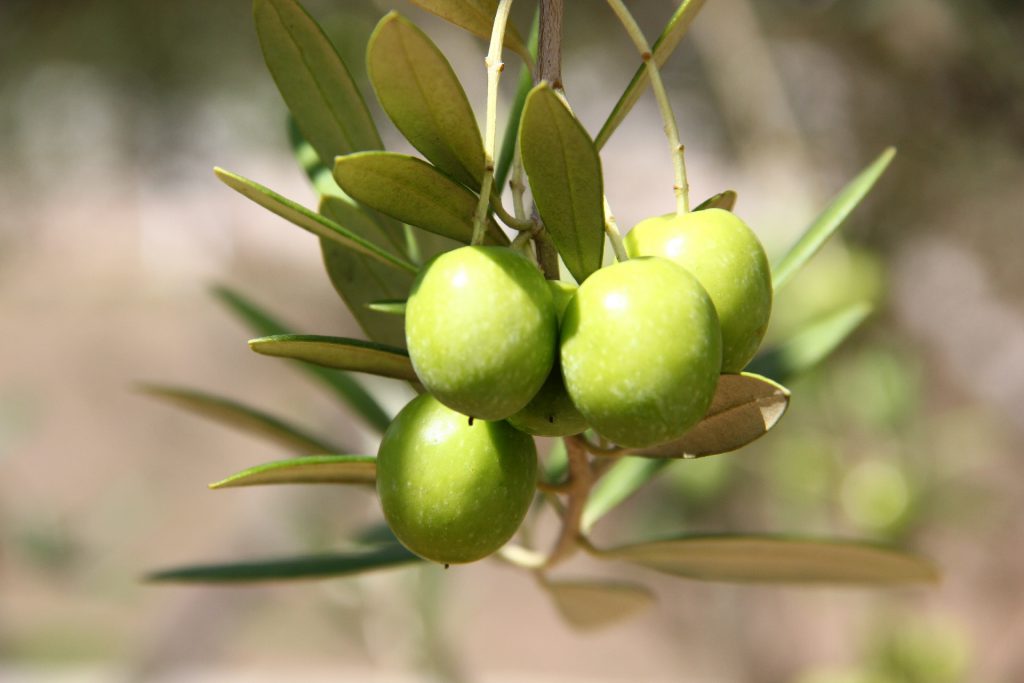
[
  {"x": 350, "y": 391},
  {"x": 389, "y": 306},
  {"x": 662, "y": 49},
  {"x": 625, "y": 478},
  {"x": 242, "y": 417},
  {"x": 743, "y": 409},
  {"x": 318, "y": 173},
  {"x": 515, "y": 113},
  {"x": 312, "y": 469},
  {"x": 477, "y": 17},
  {"x": 723, "y": 200},
  {"x": 763, "y": 558},
  {"x": 818, "y": 232},
  {"x": 302, "y": 567},
  {"x": 414, "y": 192},
  {"x": 810, "y": 346},
  {"x": 308, "y": 220},
  {"x": 338, "y": 352},
  {"x": 593, "y": 605},
  {"x": 421, "y": 94},
  {"x": 313, "y": 80},
  {"x": 564, "y": 170}
]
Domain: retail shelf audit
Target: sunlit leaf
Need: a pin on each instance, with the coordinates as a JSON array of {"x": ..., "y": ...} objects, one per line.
[
  {"x": 313, "y": 469},
  {"x": 743, "y": 409},
  {"x": 830, "y": 219},
  {"x": 421, "y": 94},
  {"x": 244, "y": 418},
  {"x": 338, "y": 352},
  {"x": 811, "y": 345},
  {"x": 662, "y": 49},
  {"x": 309, "y": 220},
  {"x": 625, "y": 478},
  {"x": 776, "y": 559},
  {"x": 477, "y": 17},
  {"x": 304, "y": 567},
  {"x": 313, "y": 80},
  {"x": 412, "y": 191},
  {"x": 593, "y": 605},
  {"x": 564, "y": 170},
  {"x": 389, "y": 306},
  {"x": 723, "y": 200}
]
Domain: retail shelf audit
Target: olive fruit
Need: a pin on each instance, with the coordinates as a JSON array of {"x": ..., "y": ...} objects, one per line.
[
  {"x": 726, "y": 257},
  {"x": 481, "y": 330},
  {"x": 452, "y": 491},
  {"x": 641, "y": 350}
]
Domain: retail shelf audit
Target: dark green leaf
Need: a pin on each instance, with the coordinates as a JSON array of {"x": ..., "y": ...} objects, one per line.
[
  {"x": 412, "y": 191},
  {"x": 308, "y": 220},
  {"x": 830, "y": 219},
  {"x": 593, "y": 605},
  {"x": 564, "y": 170},
  {"x": 811, "y": 345},
  {"x": 422, "y": 95},
  {"x": 339, "y": 353},
  {"x": 389, "y": 306},
  {"x": 313, "y": 469},
  {"x": 625, "y": 478},
  {"x": 477, "y": 17},
  {"x": 239, "y": 416},
  {"x": 511, "y": 136},
  {"x": 744, "y": 408},
  {"x": 723, "y": 200},
  {"x": 776, "y": 559},
  {"x": 304, "y": 567},
  {"x": 663, "y": 48},
  {"x": 313, "y": 80}
]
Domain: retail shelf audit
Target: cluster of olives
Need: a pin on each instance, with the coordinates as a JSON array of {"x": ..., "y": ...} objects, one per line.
[{"x": 634, "y": 353}]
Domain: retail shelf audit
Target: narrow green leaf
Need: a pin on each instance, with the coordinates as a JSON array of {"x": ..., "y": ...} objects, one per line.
[
  {"x": 594, "y": 605},
  {"x": 662, "y": 49},
  {"x": 830, "y": 219},
  {"x": 744, "y": 408},
  {"x": 412, "y": 191},
  {"x": 477, "y": 17},
  {"x": 308, "y": 220},
  {"x": 303, "y": 567},
  {"x": 338, "y": 352},
  {"x": 625, "y": 478},
  {"x": 564, "y": 170},
  {"x": 244, "y": 418},
  {"x": 776, "y": 559},
  {"x": 421, "y": 94},
  {"x": 811, "y": 345},
  {"x": 313, "y": 80},
  {"x": 723, "y": 200},
  {"x": 350, "y": 391},
  {"x": 312, "y": 469},
  {"x": 515, "y": 113},
  {"x": 389, "y": 306},
  {"x": 318, "y": 174}
]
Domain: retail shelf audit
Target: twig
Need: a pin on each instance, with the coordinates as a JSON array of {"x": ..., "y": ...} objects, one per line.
[{"x": 580, "y": 480}]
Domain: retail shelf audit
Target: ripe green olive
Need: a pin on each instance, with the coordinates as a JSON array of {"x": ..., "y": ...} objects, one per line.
[
  {"x": 453, "y": 492},
  {"x": 481, "y": 330},
  {"x": 641, "y": 350},
  {"x": 728, "y": 260}
]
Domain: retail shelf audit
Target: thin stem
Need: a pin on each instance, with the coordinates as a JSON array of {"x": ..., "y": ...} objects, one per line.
[
  {"x": 508, "y": 219},
  {"x": 521, "y": 557},
  {"x": 580, "y": 481},
  {"x": 494, "y": 68},
  {"x": 611, "y": 228},
  {"x": 547, "y": 487},
  {"x": 682, "y": 186},
  {"x": 549, "y": 47}
]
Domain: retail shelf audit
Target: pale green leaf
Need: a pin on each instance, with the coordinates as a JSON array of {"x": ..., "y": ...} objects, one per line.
[
  {"x": 389, "y": 306},
  {"x": 340, "y": 353},
  {"x": 421, "y": 94},
  {"x": 312, "y": 469},
  {"x": 244, "y": 418},
  {"x": 477, "y": 17},
  {"x": 303, "y": 567},
  {"x": 594, "y": 605},
  {"x": 743, "y": 409},
  {"x": 662, "y": 49},
  {"x": 626, "y": 477},
  {"x": 830, "y": 220},
  {"x": 757, "y": 558},
  {"x": 412, "y": 191},
  {"x": 318, "y": 173},
  {"x": 564, "y": 170},
  {"x": 308, "y": 220},
  {"x": 723, "y": 200},
  {"x": 313, "y": 80}
]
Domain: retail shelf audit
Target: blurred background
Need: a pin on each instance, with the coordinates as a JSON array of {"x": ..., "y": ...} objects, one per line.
[{"x": 113, "y": 231}]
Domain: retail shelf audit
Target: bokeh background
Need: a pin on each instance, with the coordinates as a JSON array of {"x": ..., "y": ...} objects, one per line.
[{"x": 113, "y": 231}]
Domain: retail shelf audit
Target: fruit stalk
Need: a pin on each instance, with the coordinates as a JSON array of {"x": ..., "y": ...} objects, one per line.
[{"x": 579, "y": 484}]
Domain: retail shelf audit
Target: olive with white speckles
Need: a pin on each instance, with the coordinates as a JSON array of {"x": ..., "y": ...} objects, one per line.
[
  {"x": 728, "y": 260},
  {"x": 453, "y": 492},
  {"x": 641, "y": 350},
  {"x": 481, "y": 330}
]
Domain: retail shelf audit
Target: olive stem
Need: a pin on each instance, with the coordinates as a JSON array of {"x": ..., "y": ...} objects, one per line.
[
  {"x": 548, "y": 487},
  {"x": 682, "y": 186},
  {"x": 521, "y": 557},
  {"x": 508, "y": 219},
  {"x": 494, "y": 68},
  {"x": 580, "y": 481},
  {"x": 611, "y": 228}
]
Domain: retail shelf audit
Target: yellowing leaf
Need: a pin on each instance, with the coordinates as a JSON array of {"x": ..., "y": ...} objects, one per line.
[
  {"x": 314, "y": 469},
  {"x": 594, "y": 605}
]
